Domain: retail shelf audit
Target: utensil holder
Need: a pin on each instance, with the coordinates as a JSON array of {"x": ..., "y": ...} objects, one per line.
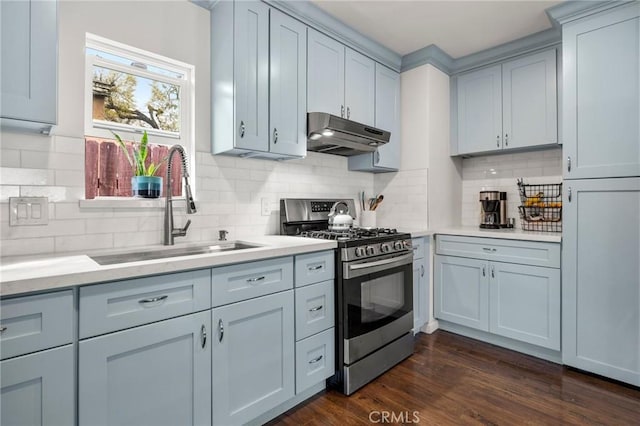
[{"x": 368, "y": 219}]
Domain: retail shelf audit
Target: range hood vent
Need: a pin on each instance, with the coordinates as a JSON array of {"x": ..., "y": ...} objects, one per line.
[{"x": 331, "y": 134}]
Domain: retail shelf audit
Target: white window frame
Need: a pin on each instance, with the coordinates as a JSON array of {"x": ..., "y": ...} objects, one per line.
[{"x": 102, "y": 129}]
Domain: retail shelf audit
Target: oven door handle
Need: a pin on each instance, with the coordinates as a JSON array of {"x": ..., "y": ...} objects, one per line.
[{"x": 394, "y": 261}]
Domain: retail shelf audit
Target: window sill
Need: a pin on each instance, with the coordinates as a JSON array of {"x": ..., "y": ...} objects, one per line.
[{"x": 123, "y": 203}]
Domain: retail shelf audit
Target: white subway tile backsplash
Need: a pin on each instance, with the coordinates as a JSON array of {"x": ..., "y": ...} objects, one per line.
[
  {"x": 54, "y": 193},
  {"x": 9, "y": 158},
  {"x": 7, "y": 191},
  {"x": 54, "y": 228},
  {"x": 26, "y": 246},
  {"x": 19, "y": 176},
  {"x": 85, "y": 242}
]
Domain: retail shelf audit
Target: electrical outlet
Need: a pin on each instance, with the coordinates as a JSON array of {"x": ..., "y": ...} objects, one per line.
[
  {"x": 28, "y": 211},
  {"x": 265, "y": 207}
]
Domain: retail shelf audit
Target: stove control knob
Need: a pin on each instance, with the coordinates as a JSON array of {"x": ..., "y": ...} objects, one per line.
[
  {"x": 385, "y": 247},
  {"x": 398, "y": 245},
  {"x": 359, "y": 251},
  {"x": 371, "y": 251},
  {"x": 406, "y": 244}
]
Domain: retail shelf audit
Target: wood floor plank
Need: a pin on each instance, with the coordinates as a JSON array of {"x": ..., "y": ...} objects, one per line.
[{"x": 454, "y": 380}]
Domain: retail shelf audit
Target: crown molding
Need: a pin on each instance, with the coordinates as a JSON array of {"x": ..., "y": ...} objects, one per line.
[{"x": 575, "y": 9}]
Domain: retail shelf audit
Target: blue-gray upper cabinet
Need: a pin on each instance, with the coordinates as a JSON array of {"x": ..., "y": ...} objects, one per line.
[
  {"x": 325, "y": 74},
  {"x": 248, "y": 79},
  {"x": 288, "y": 85},
  {"x": 155, "y": 374},
  {"x": 601, "y": 99},
  {"x": 29, "y": 77},
  {"x": 387, "y": 117},
  {"x": 340, "y": 80},
  {"x": 512, "y": 105},
  {"x": 600, "y": 277}
]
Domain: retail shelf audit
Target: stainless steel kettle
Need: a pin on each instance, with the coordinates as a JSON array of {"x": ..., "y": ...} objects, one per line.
[{"x": 339, "y": 217}]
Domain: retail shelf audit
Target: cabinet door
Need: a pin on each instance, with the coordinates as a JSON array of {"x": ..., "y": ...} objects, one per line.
[
  {"x": 360, "y": 87},
  {"x": 601, "y": 279},
  {"x": 288, "y": 90},
  {"x": 462, "y": 291},
  {"x": 38, "y": 389},
  {"x": 251, "y": 74},
  {"x": 601, "y": 94},
  {"x": 29, "y": 60},
  {"x": 525, "y": 303},
  {"x": 157, "y": 374},
  {"x": 325, "y": 74},
  {"x": 387, "y": 117},
  {"x": 253, "y": 357},
  {"x": 420, "y": 295},
  {"x": 530, "y": 101},
  {"x": 480, "y": 111}
]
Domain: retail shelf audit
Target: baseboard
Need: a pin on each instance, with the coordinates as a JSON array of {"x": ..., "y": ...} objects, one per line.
[
  {"x": 430, "y": 327},
  {"x": 287, "y": 405}
]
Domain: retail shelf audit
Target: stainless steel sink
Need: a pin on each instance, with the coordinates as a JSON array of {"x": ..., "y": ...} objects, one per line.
[{"x": 163, "y": 253}]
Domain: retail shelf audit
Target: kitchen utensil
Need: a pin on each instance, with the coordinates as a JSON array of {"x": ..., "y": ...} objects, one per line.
[
  {"x": 377, "y": 202},
  {"x": 339, "y": 217},
  {"x": 368, "y": 219}
]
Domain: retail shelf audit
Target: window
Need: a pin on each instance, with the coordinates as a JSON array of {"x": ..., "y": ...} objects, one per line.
[{"x": 129, "y": 91}]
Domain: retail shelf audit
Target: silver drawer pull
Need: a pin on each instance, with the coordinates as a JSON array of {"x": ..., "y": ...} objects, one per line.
[
  {"x": 489, "y": 249},
  {"x": 154, "y": 299},
  {"x": 315, "y": 268},
  {"x": 253, "y": 280},
  {"x": 203, "y": 336},
  {"x": 220, "y": 330},
  {"x": 316, "y": 308},
  {"x": 3, "y": 329},
  {"x": 313, "y": 361}
]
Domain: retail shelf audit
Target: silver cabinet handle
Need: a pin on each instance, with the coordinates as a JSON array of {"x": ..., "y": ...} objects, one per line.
[
  {"x": 484, "y": 272},
  {"x": 342, "y": 111},
  {"x": 489, "y": 249},
  {"x": 253, "y": 280},
  {"x": 569, "y": 164},
  {"x": 313, "y": 361},
  {"x": 154, "y": 299},
  {"x": 348, "y": 112},
  {"x": 498, "y": 141},
  {"x": 242, "y": 129},
  {"x": 315, "y": 308},
  {"x": 569, "y": 194},
  {"x": 220, "y": 330},
  {"x": 377, "y": 157},
  {"x": 422, "y": 270},
  {"x": 3, "y": 329},
  {"x": 493, "y": 272},
  {"x": 203, "y": 336},
  {"x": 315, "y": 268},
  {"x": 506, "y": 139},
  {"x": 275, "y": 135}
]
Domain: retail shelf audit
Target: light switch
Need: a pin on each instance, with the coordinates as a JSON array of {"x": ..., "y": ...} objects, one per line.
[{"x": 28, "y": 211}]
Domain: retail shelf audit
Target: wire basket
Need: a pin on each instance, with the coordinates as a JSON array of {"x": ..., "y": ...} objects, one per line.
[{"x": 541, "y": 207}]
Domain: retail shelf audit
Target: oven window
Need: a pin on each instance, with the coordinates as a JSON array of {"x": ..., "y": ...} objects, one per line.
[{"x": 381, "y": 297}]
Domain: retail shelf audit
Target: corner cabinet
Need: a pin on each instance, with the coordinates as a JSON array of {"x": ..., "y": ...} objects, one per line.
[
  {"x": 387, "y": 117},
  {"x": 253, "y": 357},
  {"x": 508, "y": 106},
  {"x": 258, "y": 81},
  {"x": 601, "y": 97},
  {"x": 600, "y": 277},
  {"x": 506, "y": 288},
  {"x": 29, "y": 70}
]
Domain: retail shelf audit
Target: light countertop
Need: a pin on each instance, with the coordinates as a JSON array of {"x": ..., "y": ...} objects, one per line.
[
  {"x": 508, "y": 234},
  {"x": 28, "y": 274}
]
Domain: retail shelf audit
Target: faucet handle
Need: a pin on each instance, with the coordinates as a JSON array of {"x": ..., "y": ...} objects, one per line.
[
  {"x": 181, "y": 232},
  {"x": 223, "y": 235}
]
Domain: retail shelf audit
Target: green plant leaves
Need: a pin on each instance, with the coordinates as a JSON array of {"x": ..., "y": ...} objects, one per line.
[{"x": 140, "y": 154}]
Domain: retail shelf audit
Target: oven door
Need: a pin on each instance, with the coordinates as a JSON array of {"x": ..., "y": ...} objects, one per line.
[{"x": 376, "y": 293}]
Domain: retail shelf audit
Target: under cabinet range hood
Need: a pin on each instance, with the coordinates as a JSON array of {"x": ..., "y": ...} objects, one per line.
[{"x": 335, "y": 135}]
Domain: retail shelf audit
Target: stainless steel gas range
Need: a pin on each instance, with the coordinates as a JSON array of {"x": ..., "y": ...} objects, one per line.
[{"x": 374, "y": 291}]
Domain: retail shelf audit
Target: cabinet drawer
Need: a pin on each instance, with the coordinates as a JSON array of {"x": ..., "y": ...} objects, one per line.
[
  {"x": 495, "y": 249},
  {"x": 419, "y": 247},
  {"x": 248, "y": 280},
  {"x": 314, "y": 267},
  {"x": 315, "y": 360},
  {"x": 33, "y": 323},
  {"x": 122, "y": 304},
  {"x": 314, "y": 309}
]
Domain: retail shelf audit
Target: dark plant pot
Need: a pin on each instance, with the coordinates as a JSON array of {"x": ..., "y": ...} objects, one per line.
[{"x": 146, "y": 186}]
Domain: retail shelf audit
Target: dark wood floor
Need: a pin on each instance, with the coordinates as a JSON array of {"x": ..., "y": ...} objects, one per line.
[{"x": 452, "y": 380}]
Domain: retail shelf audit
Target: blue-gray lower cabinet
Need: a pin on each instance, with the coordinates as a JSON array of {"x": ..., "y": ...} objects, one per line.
[
  {"x": 601, "y": 277},
  {"x": 38, "y": 389},
  {"x": 156, "y": 374},
  {"x": 253, "y": 357},
  {"x": 421, "y": 273}
]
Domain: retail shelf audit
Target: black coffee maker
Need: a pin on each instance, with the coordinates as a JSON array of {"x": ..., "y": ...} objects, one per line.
[{"x": 493, "y": 208}]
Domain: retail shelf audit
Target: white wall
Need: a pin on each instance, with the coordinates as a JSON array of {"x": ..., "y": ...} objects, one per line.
[{"x": 230, "y": 189}]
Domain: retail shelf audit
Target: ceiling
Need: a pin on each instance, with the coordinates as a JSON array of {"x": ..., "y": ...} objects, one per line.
[{"x": 459, "y": 27}]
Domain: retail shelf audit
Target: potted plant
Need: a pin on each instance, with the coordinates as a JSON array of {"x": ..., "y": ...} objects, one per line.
[{"x": 144, "y": 183}]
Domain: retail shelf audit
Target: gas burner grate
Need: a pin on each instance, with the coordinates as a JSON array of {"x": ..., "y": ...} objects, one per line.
[{"x": 351, "y": 234}]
